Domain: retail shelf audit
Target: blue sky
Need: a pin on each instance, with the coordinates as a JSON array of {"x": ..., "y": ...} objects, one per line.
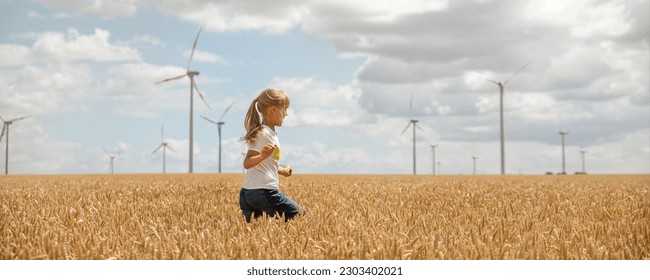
[{"x": 85, "y": 72}]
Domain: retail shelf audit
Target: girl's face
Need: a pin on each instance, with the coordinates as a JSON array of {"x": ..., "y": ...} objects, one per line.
[{"x": 277, "y": 115}]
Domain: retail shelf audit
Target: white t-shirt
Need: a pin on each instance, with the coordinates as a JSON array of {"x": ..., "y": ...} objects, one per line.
[{"x": 264, "y": 175}]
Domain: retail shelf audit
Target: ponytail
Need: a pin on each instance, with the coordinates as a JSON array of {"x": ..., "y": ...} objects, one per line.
[{"x": 252, "y": 122}]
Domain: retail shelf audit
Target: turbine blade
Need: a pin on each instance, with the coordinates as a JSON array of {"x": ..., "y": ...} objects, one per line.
[
  {"x": 4, "y": 125},
  {"x": 193, "y": 48},
  {"x": 162, "y": 132},
  {"x": 18, "y": 119},
  {"x": 407, "y": 127},
  {"x": 201, "y": 95},
  {"x": 226, "y": 111},
  {"x": 171, "y": 79},
  {"x": 493, "y": 81},
  {"x": 157, "y": 148},
  {"x": 170, "y": 147},
  {"x": 420, "y": 128},
  {"x": 106, "y": 152},
  {"x": 208, "y": 119},
  {"x": 2, "y": 119},
  {"x": 518, "y": 71}
]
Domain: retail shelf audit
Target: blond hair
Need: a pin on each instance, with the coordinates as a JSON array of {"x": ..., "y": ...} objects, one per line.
[{"x": 254, "y": 117}]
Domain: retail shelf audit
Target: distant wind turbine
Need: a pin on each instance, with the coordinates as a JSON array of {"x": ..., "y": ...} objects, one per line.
[
  {"x": 433, "y": 148},
  {"x": 413, "y": 122},
  {"x": 562, "y": 134},
  {"x": 164, "y": 147},
  {"x": 474, "y": 159},
  {"x": 193, "y": 87},
  {"x": 219, "y": 123},
  {"x": 112, "y": 157},
  {"x": 5, "y": 127},
  {"x": 501, "y": 90},
  {"x": 582, "y": 153}
]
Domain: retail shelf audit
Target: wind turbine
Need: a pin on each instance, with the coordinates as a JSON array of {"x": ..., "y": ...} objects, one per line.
[
  {"x": 5, "y": 127},
  {"x": 112, "y": 157},
  {"x": 190, "y": 73},
  {"x": 433, "y": 148},
  {"x": 414, "y": 123},
  {"x": 164, "y": 146},
  {"x": 219, "y": 123},
  {"x": 562, "y": 134},
  {"x": 501, "y": 90},
  {"x": 474, "y": 158},
  {"x": 582, "y": 153}
]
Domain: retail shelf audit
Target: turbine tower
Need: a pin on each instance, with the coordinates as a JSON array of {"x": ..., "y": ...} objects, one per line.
[
  {"x": 474, "y": 159},
  {"x": 562, "y": 134},
  {"x": 501, "y": 133},
  {"x": 433, "y": 148},
  {"x": 582, "y": 153},
  {"x": 219, "y": 123},
  {"x": 112, "y": 157},
  {"x": 5, "y": 127},
  {"x": 164, "y": 147},
  {"x": 190, "y": 73},
  {"x": 415, "y": 125}
]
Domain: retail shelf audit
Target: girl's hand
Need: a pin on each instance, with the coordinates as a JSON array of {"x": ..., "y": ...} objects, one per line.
[
  {"x": 267, "y": 150},
  {"x": 285, "y": 171}
]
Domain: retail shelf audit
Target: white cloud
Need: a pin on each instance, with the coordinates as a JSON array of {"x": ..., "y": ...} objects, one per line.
[
  {"x": 311, "y": 157},
  {"x": 281, "y": 16},
  {"x": 628, "y": 155},
  {"x": 585, "y": 19},
  {"x": 45, "y": 90},
  {"x": 239, "y": 15},
  {"x": 380, "y": 11},
  {"x": 11, "y": 55},
  {"x": 37, "y": 15},
  {"x": 319, "y": 102},
  {"x": 389, "y": 70},
  {"x": 57, "y": 47},
  {"x": 206, "y": 57},
  {"x": 73, "y": 46},
  {"x": 31, "y": 150},
  {"x": 145, "y": 41},
  {"x": 104, "y": 8}
]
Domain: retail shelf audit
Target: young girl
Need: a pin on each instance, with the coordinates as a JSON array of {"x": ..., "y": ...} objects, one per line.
[{"x": 260, "y": 193}]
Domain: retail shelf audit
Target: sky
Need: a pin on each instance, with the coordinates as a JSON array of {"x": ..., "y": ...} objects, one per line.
[{"x": 86, "y": 71}]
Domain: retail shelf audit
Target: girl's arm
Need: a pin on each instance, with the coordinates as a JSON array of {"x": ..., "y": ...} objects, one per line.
[{"x": 254, "y": 157}]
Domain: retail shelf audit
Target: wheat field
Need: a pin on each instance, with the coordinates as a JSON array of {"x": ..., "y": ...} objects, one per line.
[{"x": 387, "y": 217}]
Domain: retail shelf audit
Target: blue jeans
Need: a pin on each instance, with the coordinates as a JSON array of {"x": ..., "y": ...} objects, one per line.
[{"x": 254, "y": 203}]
